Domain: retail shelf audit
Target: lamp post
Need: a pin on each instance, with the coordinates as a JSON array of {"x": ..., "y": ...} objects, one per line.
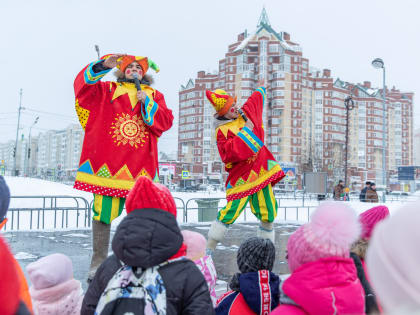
[
  {"x": 349, "y": 103},
  {"x": 17, "y": 133},
  {"x": 378, "y": 63},
  {"x": 29, "y": 146}
]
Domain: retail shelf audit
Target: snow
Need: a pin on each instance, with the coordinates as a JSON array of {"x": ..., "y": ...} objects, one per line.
[
  {"x": 372, "y": 91},
  {"x": 31, "y": 217},
  {"x": 24, "y": 256},
  {"x": 76, "y": 235},
  {"x": 245, "y": 42}
]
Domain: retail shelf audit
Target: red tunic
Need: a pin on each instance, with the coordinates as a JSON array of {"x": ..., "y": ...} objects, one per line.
[
  {"x": 250, "y": 165},
  {"x": 121, "y": 134}
]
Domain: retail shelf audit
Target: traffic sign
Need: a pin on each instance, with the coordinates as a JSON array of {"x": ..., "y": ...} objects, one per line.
[{"x": 185, "y": 174}]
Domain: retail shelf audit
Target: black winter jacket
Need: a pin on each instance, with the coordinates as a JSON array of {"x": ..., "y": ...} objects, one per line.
[
  {"x": 371, "y": 306},
  {"x": 146, "y": 238}
]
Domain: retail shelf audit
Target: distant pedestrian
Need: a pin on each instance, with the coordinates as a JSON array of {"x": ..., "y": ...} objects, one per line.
[
  {"x": 362, "y": 196},
  {"x": 54, "y": 290},
  {"x": 339, "y": 190},
  {"x": 371, "y": 194}
]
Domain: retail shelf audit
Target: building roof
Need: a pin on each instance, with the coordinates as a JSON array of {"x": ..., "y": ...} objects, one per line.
[{"x": 264, "y": 24}]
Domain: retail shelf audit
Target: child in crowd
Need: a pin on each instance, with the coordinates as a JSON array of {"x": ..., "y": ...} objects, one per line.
[
  {"x": 4, "y": 206},
  {"x": 393, "y": 260},
  {"x": 10, "y": 301},
  {"x": 255, "y": 290},
  {"x": 54, "y": 290},
  {"x": 196, "y": 251},
  {"x": 324, "y": 278},
  {"x": 148, "y": 273},
  {"x": 368, "y": 221}
]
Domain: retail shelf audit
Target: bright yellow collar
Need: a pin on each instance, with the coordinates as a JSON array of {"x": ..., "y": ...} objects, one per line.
[
  {"x": 232, "y": 126},
  {"x": 131, "y": 90}
]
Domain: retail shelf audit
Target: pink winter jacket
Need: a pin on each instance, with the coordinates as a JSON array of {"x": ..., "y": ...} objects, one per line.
[
  {"x": 326, "y": 286},
  {"x": 63, "y": 299},
  {"x": 207, "y": 268}
]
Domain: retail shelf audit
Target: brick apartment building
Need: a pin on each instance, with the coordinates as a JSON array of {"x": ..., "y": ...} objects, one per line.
[{"x": 304, "y": 114}]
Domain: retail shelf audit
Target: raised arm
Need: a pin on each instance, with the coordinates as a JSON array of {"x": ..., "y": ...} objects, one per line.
[
  {"x": 87, "y": 86},
  {"x": 253, "y": 107}
]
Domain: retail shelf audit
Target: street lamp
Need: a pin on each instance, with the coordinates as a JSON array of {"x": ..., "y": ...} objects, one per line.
[
  {"x": 29, "y": 146},
  {"x": 378, "y": 63},
  {"x": 349, "y": 103}
]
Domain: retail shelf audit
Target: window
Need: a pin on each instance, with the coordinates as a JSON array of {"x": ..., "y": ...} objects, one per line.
[{"x": 273, "y": 48}]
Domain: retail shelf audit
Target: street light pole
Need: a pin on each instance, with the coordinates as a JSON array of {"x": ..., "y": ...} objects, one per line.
[
  {"x": 379, "y": 63},
  {"x": 17, "y": 133},
  {"x": 29, "y": 146},
  {"x": 349, "y": 103}
]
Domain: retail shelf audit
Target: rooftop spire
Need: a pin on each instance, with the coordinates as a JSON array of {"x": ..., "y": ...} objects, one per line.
[{"x": 263, "y": 18}]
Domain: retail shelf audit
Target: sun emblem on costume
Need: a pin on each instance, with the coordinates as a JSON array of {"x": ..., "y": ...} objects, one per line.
[{"x": 129, "y": 130}]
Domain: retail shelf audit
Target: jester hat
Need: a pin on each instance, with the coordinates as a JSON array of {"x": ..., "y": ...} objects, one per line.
[
  {"x": 220, "y": 100},
  {"x": 144, "y": 63}
]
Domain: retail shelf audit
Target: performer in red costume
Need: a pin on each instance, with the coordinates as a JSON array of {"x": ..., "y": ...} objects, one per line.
[
  {"x": 122, "y": 126},
  {"x": 252, "y": 169}
]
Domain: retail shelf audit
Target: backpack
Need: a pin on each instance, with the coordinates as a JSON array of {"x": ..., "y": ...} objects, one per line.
[{"x": 134, "y": 291}]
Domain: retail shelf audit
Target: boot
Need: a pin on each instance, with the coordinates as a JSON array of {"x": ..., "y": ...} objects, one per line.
[
  {"x": 216, "y": 234},
  {"x": 100, "y": 243},
  {"x": 266, "y": 230}
]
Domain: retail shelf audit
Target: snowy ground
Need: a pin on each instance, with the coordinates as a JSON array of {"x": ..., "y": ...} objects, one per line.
[{"x": 70, "y": 208}]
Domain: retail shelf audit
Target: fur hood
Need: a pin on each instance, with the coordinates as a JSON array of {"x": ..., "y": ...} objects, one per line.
[
  {"x": 360, "y": 248},
  {"x": 147, "y": 78}
]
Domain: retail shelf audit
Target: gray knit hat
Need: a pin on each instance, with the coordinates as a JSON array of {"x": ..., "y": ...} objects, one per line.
[
  {"x": 4, "y": 198},
  {"x": 256, "y": 254}
]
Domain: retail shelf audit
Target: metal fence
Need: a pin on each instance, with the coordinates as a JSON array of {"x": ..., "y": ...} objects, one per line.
[
  {"x": 300, "y": 210},
  {"x": 48, "y": 212},
  {"x": 59, "y": 212}
]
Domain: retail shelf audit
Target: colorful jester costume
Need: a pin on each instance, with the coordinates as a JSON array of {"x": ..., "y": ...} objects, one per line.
[
  {"x": 121, "y": 135},
  {"x": 252, "y": 168}
]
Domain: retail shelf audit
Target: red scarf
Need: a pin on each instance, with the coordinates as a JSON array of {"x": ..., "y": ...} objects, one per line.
[{"x": 181, "y": 252}]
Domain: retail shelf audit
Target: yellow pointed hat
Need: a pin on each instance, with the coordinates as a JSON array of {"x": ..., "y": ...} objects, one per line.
[{"x": 220, "y": 100}]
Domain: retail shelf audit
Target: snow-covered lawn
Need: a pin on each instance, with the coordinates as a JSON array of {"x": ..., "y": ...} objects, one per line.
[{"x": 31, "y": 217}]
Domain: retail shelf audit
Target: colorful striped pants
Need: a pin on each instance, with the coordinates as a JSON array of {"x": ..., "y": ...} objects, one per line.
[
  {"x": 106, "y": 208},
  {"x": 263, "y": 206}
]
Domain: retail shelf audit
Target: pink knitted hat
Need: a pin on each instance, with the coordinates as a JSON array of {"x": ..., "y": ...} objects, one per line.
[
  {"x": 196, "y": 244},
  {"x": 331, "y": 231},
  {"x": 370, "y": 218},
  {"x": 50, "y": 271}
]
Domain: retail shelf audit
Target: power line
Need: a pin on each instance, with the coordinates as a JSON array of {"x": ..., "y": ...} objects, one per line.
[{"x": 49, "y": 113}]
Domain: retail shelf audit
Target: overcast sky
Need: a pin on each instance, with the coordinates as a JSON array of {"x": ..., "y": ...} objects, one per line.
[{"x": 46, "y": 43}]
